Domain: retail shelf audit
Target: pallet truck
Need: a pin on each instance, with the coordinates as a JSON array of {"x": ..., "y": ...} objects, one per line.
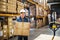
[{"x": 54, "y": 27}]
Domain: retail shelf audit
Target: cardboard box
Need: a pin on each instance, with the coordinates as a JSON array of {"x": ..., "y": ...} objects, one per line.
[
  {"x": 19, "y": 6},
  {"x": 5, "y": 33},
  {"x": 5, "y": 30},
  {"x": 41, "y": 11},
  {"x": 12, "y": 1},
  {"x": 32, "y": 10},
  {"x": 3, "y": 6},
  {"x": 3, "y": 3},
  {"x": 11, "y": 5},
  {"x": 5, "y": 36},
  {"x": 3, "y": 0},
  {"x": 20, "y": 3},
  {"x": 10, "y": 26},
  {"x": 10, "y": 19},
  {"x": 4, "y": 26},
  {"x": 11, "y": 8},
  {"x": 39, "y": 23},
  {"x": 3, "y": 10},
  {"x": 10, "y": 23},
  {"x": 21, "y": 27}
]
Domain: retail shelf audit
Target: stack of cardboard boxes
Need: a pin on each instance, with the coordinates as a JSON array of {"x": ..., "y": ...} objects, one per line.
[
  {"x": 32, "y": 10},
  {"x": 8, "y": 6},
  {"x": 5, "y": 31},
  {"x": 39, "y": 23},
  {"x": 45, "y": 13},
  {"x": 41, "y": 2},
  {"x": 40, "y": 11},
  {"x": 12, "y": 1},
  {"x": 3, "y": 0},
  {"x": 19, "y": 6},
  {"x": 10, "y": 26},
  {"x": 3, "y": 5},
  {"x": 11, "y": 6}
]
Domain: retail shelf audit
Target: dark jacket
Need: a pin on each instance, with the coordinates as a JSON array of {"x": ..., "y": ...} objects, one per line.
[{"x": 22, "y": 20}]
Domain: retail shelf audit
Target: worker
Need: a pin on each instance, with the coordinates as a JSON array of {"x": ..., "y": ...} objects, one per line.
[{"x": 22, "y": 18}]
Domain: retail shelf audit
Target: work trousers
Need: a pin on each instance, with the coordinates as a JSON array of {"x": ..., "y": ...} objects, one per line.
[{"x": 22, "y": 37}]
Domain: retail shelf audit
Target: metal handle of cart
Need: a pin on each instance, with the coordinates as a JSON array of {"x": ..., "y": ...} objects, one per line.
[{"x": 55, "y": 26}]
